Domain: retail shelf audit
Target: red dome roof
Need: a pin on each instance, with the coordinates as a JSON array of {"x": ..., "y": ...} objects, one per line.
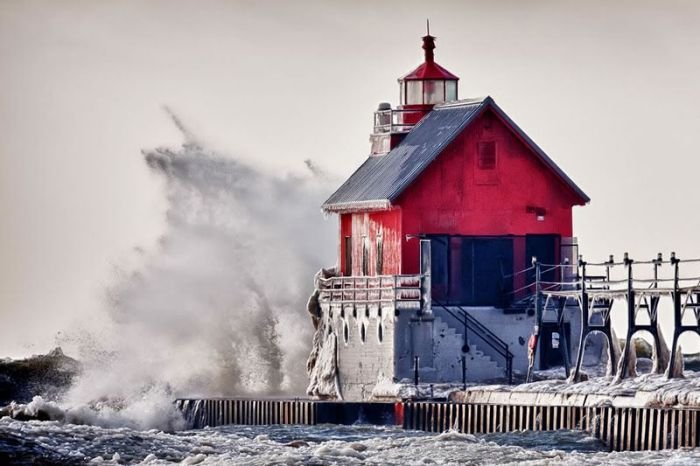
[{"x": 429, "y": 69}]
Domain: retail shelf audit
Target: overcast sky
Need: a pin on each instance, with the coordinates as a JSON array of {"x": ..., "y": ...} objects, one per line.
[{"x": 609, "y": 90}]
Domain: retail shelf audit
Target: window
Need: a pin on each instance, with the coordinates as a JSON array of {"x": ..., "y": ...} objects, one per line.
[
  {"x": 365, "y": 255},
  {"x": 346, "y": 332},
  {"x": 414, "y": 92},
  {"x": 486, "y": 157},
  {"x": 434, "y": 91},
  {"x": 348, "y": 256},
  {"x": 380, "y": 255},
  {"x": 380, "y": 332},
  {"x": 450, "y": 90},
  {"x": 363, "y": 332}
]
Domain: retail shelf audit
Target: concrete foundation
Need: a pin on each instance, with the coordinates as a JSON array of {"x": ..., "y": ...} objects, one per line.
[{"x": 378, "y": 344}]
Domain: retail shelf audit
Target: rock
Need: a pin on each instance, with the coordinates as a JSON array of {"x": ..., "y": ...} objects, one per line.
[
  {"x": 296, "y": 444},
  {"x": 48, "y": 375},
  {"x": 642, "y": 348},
  {"x": 358, "y": 446}
]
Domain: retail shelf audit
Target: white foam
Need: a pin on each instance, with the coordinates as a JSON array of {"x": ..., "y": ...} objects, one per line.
[{"x": 217, "y": 308}]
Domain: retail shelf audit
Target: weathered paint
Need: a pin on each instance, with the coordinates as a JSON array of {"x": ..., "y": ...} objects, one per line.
[
  {"x": 367, "y": 226},
  {"x": 453, "y": 196}
]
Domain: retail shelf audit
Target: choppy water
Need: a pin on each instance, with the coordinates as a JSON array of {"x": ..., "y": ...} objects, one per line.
[{"x": 54, "y": 443}]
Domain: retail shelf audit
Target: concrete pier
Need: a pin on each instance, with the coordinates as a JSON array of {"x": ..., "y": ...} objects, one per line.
[{"x": 622, "y": 428}]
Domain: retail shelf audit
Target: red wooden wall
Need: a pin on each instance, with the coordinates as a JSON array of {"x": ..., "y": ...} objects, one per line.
[
  {"x": 454, "y": 196},
  {"x": 370, "y": 225}
]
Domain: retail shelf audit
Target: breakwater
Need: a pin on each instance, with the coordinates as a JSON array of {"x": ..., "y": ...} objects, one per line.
[
  {"x": 244, "y": 411},
  {"x": 621, "y": 428}
]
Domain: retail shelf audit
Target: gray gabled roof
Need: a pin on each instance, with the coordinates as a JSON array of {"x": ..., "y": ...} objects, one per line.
[{"x": 381, "y": 179}]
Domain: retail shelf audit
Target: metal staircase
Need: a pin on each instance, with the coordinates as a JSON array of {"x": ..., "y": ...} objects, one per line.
[{"x": 473, "y": 329}]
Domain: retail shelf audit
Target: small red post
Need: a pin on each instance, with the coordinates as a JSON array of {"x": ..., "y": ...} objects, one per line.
[{"x": 398, "y": 413}]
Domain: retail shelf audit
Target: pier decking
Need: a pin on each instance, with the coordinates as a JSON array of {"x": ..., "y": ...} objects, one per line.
[{"x": 596, "y": 295}]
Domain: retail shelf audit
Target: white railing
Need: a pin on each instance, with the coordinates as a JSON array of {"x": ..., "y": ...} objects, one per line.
[
  {"x": 396, "y": 120},
  {"x": 397, "y": 289}
]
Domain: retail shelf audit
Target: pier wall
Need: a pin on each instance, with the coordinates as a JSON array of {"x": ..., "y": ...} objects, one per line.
[
  {"x": 621, "y": 428},
  {"x": 201, "y": 413},
  {"x": 365, "y": 349}
]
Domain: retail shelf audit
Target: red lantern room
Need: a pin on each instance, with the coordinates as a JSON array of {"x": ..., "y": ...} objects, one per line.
[
  {"x": 427, "y": 85},
  {"x": 420, "y": 90}
]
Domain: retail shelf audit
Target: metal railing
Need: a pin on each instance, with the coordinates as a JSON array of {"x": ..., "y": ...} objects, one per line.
[
  {"x": 398, "y": 289},
  {"x": 481, "y": 332},
  {"x": 396, "y": 120}
]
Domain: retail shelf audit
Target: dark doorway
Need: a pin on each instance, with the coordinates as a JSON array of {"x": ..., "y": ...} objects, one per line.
[
  {"x": 552, "y": 343},
  {"x": 348, "y": 256},
  {"x": 439, "y": 268},
  {"x": 468, "y": 270},
  {"x": 492, "y": 259},
  {"x": 546, "y": 249}
]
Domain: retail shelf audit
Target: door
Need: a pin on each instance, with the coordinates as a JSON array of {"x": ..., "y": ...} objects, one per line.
[
  {"x": 546, "y": 249},
  {"x": 552, "y": 350},
  {"x": 492, "y": 258},
  {"x": 439, "y": 267},
  {"x": 468, "y": 270}
]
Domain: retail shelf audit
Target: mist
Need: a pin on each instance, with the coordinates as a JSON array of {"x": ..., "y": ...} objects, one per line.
[{"x": 217, "y": 307}]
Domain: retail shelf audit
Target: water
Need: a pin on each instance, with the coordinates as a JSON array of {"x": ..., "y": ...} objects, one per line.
[{"x": 54, "y": 443}]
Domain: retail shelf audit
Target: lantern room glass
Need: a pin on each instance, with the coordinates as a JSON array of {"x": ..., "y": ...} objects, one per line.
[
  {"x": 450, "y": 91},
  {"x": 428, "y": 92},
  {"x": 433, "y": 91},
  {"x": 414, "y": 92}
]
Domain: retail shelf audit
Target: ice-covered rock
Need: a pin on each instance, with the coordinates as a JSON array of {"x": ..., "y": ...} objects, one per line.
[
  {"x": 48, "y": 375},
  {"x": 321, "y": 365}
]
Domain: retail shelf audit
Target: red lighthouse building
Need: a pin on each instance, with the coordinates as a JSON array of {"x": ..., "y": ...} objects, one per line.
[
  {"x": 455, "y": 194},
  {"x": 461, "y": 174}
]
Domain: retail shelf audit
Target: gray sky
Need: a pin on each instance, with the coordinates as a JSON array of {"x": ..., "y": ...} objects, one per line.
[{"x": 608, "y": 89}]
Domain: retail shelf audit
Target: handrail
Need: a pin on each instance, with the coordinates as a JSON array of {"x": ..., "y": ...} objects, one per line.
[
  {"x": 372, "y": 289},
  {"x": 391, "y": 120},
  {"x": 500, "y": 346},
  {"x": 486, "y": 335}
]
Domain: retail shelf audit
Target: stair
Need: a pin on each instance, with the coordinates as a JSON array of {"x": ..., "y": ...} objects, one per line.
[{"x": 447, "y": 357}]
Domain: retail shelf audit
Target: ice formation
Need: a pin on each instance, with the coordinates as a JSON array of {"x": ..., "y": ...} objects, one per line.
[{"x": 321, "y": 366}]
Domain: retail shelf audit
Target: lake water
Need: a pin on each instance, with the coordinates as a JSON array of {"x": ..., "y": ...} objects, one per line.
[{"x": 52, "y": 442}]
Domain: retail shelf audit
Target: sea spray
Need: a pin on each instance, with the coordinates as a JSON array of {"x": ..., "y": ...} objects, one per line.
[{"x": 218, "y": 307}]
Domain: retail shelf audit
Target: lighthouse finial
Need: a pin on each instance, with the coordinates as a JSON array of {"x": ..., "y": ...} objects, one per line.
[{"x": 428, "y": 44}]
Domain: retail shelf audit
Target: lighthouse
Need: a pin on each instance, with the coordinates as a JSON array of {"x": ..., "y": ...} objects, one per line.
[
  {"x": 419, "y": 91},
  {"x": 438, "y": 231}
]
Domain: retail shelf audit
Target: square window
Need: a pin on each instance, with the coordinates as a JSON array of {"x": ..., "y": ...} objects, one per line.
[{"x": 486, "y": 157}]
